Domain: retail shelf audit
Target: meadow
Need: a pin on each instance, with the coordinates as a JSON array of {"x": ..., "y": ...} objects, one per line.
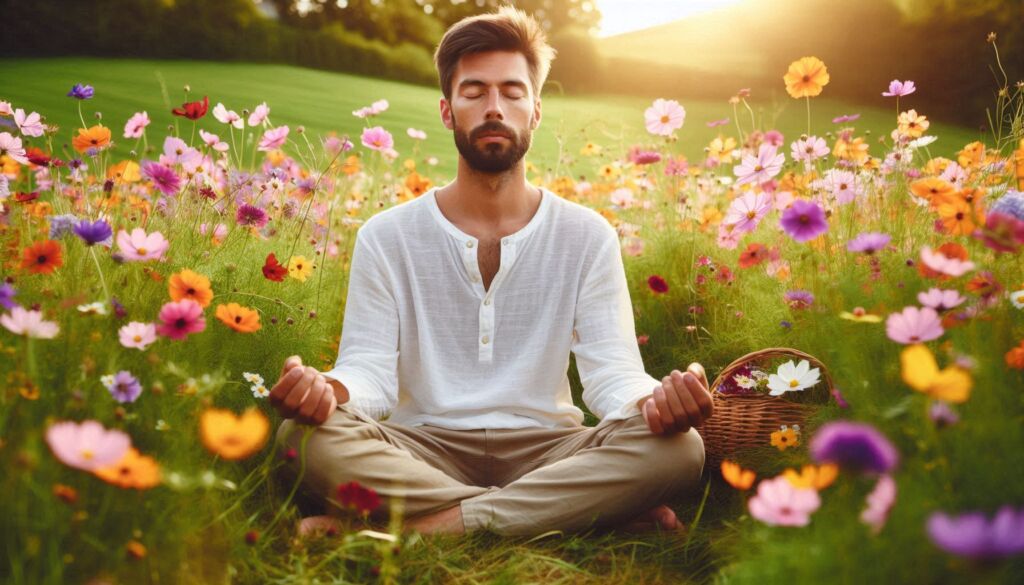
[{"x": 158, "y": 269}]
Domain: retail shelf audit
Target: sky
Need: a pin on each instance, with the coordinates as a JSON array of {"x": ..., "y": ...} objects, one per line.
[{"x": 620, "y": 16}]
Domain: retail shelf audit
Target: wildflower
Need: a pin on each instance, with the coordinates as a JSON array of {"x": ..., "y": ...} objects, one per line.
[
  {"x": 856, "y": 446},
  {"x": 251, "y": 216},
  {"x": 806, "y": 77},
  {"x": 123, "y": 386},
  {"x": 1001, "y": 232},
  {"x": 753, "y": 255},
  {"x": 792, "y": 377},
  {"x": 42, "y": 257},
  {"x": 760, "y": 168},
  {"x": 137, "y": 335},
  {"x": 804, "y": 220},
  {"x": 664, "y": 117},
  {"x": 942, "y": 414},
  {"x": 193, "y": 110},
  {"x": 1011, "y": 203},
  {"x": 377, "y": 138},
  {"x": 260, "y": 391},
  {"x": 214, "y": 141},
  {"x": 134, "y": 470},
  {"x": 29, "y": 125},
  {"x": 868, "y": 242},
  {"x": 181, "y": 318},
  {"x": 955, "y": 216},
  {"x": 798, "y": 299},
  {"x": 190, "y": 285},
  {"x": 657, "y": 284},
  {"x": 973, "y": 535},
  {"x": 816, "y": 477},
  {"x": 940, "y": 300},
  {"x": 809, "y": 149},
  {"x": 721, "y": 149},
  {"x": 21, "y": 321},
  {"x": 140, "y": 246},
  {"x": 81, "y": 92},
  {"x": 739, "y": 478},
  {"x": 92, "y": 139},
  {"x": 135, "y": 549},
  {"x": 87, "y": 445},
  {"x": 273, "y": 138},
  {"x": 239, "y": 318},
  {"x": 259, "y": 114},
  {"x": 780, "y": 503},
  {"x": 716, "y": 123},
  {"x": 921, "y": 372},
  {"x": 786, "y": 437},
  {"x": 273, "y": 270},
  {"x": 164, "y": 178},
  {"x": 746, "y": 212},
  {"x": 914, "y": 325},
  {"x": 932, "y": 189},
  {"x": 922, "y": 142},
  {"x": 1016, "y": 297},
  {"x": 1014, "y": 358},
  {"x": 843, "y": 119},
  {"x": 7, "y": 293},
  {"x": 10, "y": 146},
  {"x": 226, "y": 116},
  {"x": 97, "y": 232},
  {"x": 841, "y": 184},
  {"x": 911, "y": 124},
  {"x": 640, "y": 156},
  {"x": 944, "y": 264},
  {"x": 136, "y": 125},
  {"x": 879, "y": 502},
  {"x": 299, "y": 268},
  {"x": 899, "y": 88},
  {"x": 233, "y": 437},
  {"x": 97, "y": 308},
  {"x": 353, "y": 495}
]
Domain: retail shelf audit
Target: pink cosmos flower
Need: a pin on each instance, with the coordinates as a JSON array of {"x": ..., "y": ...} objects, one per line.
[
  {"x": 941, "y": 300},
  {"x": 273, "y": 138},
  {"x": 880, "y": 501},
  {"x": 774, "y": 137},
  {"x": 30, "y": 125},
  {"x": 259, "y": 114},
  {"x": 809, "y": 149},
  {"x": 841, "y": 184},
  {"x": 136, "y": 125},
  {"x": 137, "y": 335},
  {"x": 6, "y": 109},
  {"x": 746, "y": 212},
  {"x": 140, "y": 246},
  {"x": 941, "y": 263},
  {"x": 87, "y": 446},
  {"x": 177, "y": 152},
  {"x": 29, "y": 323},
  {"x": 11, "y": 146},
  {"x": 416, "y": 134},
  {"x": 804, "y": 220},
  {"x": 664, "y": 117},
  {"x": 914, "y": 325},
  {"x": 899, "y": 88},
  {"x": 760, "y": 168},
  {"x": 180, "y": 318},
  {"x": 728, "y": 237},
  {"x": 716, "y": 123},
  {"x": 164, "y": 178},
  {"x": 213, "y": 141},
  {"x": 377, "y": 138},
  {"x": 226, "y": 116},
  {"x": 779, "y": 503}
]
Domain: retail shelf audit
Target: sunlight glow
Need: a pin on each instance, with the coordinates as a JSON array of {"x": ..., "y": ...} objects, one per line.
[{"x": 621, "y": 16}]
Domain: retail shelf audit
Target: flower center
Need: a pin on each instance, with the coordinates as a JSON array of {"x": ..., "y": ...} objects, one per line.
[
  {"x": 664, "y": 119},
  {"x": 793, "y": 383},
  {"x": 141, "y": 251}
]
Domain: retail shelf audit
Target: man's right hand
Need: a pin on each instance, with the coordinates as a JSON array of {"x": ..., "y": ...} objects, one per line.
[{"x": 303, "y": 393}]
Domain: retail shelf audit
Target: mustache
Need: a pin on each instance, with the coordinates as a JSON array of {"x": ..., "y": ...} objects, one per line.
[{"x": 492, "y": 126}]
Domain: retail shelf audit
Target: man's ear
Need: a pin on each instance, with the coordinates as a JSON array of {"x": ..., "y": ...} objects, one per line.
[
  {"x": 536, "y": 114},
  {"x": 446, "y": 114}
]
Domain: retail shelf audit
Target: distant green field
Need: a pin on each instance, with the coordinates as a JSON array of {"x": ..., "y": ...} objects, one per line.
[{"x": 323, "y": 101}]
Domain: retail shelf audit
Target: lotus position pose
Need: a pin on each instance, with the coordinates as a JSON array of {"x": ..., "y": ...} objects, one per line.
[{"x": 450, "y": 394}]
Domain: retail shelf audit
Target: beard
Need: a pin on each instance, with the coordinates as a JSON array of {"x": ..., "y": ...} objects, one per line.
[{"x": 493, "y": 157}]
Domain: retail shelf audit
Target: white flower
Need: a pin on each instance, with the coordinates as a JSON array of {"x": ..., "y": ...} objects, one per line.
[
  {"x": 1017, "y": 298},
  {"x": 922, "y": 141},
  {"x": 793, "y": 377},
  {"x": 107, "y": 381},
  {"x": 21, "y": 321},
  {"x": 260, "y": 391},
  {"x": 97, "y": 308},
  {"x": 252, "y": 378},
  {"x": 226, "y": 116},
  {"x": 161, "y": 425},
  {"x": 745, "y": 382}
]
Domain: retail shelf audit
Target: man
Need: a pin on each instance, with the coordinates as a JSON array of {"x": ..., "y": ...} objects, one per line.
[{"x": 462, "y": 308}]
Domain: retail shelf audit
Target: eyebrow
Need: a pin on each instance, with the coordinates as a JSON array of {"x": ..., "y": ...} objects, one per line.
[{"x": 507, "y": 83}]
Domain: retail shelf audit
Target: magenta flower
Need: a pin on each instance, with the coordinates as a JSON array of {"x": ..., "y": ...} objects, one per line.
[
  {"x": 746, "y": 212},
  {"x": 1002, "y": 232},
  {"x": 856, "y": 446},
  {"x": 664, "y": 117},
  {"x": 180, "y": 318},
  {"x": 377, "y": 138},
  {"x": 941, "y": 299},
  {"x": 251, "y": 216},
  {"x": 716, "y": 123},
  {"x": 273, "y": 138},
  {"x": 140, "y": 246},
  {"x": 914, "y": 325},
  {"x": 804, "y": 220},
  {"x": 760, "y": 168},
  {"x": 899, "y": 88},
  {"x": 657, "y": 284},
  {"x": 164, "y": 178},
  {"x": 87, "y": 446},
  {"x": 868, "y": 242},
  {"x": 779, "y": 503},
  {"x": 845, "y": 118},
  {"x": 972, "y": 535}
]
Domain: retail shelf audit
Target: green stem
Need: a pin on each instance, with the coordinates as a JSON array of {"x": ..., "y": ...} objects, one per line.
[{"x": 103, "y": 281}]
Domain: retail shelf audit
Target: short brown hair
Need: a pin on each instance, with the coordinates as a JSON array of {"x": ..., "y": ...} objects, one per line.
[{"x": 509, "y": 29}]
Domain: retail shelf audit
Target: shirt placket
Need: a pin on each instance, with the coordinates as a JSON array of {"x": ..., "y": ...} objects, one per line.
[{"x": 485, "y": 335}]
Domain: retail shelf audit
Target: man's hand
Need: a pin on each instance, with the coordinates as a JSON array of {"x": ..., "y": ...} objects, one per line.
[
  {"x": 683, "y": 401},
  {"x": 303, "y": 393}
]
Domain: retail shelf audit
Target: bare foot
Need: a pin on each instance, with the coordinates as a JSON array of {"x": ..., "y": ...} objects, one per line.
[
  {"x": 659, "y": 518},
  {"x": 319, "y": 525},
  {"x": 447, "y": 521}
]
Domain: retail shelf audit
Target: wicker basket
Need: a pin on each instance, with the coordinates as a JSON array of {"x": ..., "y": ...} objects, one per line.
[{"x": 745, "y": 421}]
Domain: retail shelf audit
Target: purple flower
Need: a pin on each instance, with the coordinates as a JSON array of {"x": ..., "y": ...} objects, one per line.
[
  {"x": 840, "y": 400},
  {"x": 7, "y": 293},
  {"x": 799, "y": 299},
  {"x": 942, "y": 414},
  {"x": 123, "y": 386},
  {"x": 119, "y": 310},
  {"x": 252, "y": 216},
  {"x": 81, "y": 92},
  {"x": 164, "y": 178},
  {"x": 845, "y": 118},
  {"x": 1011, "y": 203},
  {"x": 973, "y": 535},
  {"x": 96, "y": 232},
  {"x": 639, "y": 156},
  {"x": 61, "y": 225},
  {"x": 899, "y": 88},
  {"x": 855, "y": 446},
  {"x": 868, "y": 242},
  {"x": 804, "y": 220}
]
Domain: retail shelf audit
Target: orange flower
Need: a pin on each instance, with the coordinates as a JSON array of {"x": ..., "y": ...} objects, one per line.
[
  {"x": 737, "y": 477},
  {"x": 931, "y": 188},
  {"x": 233, "y": 437},
  {"x": 417, "y": 184},
  {"x": 241, "y": 319},
  {"x": 190, "y": 285},
  {"x": 810, "y": 476},
  {"x": 785, "y": 438},
  {"x": 134, "y": 470},
  {"x": 1015, "y": 357},
  {"x": 855, "y": 150},
  {"x": 126, "y": 171},
  {"x": 351, "y": 165},
  {"x": 806, "y": 77},
  {"x": 97, "y": 137},
  {"x": 955, "y": 215},
  {"x": 971, "y": 156},
  {"x": 42, "y": 257},
  {"x": 912, "y": 124}
]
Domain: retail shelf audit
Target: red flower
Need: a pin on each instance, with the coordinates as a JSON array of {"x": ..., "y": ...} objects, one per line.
[
  {"x": 37, "y": 156},
  {"x": 724, "y": 275},
  {"x": 657, "y": 284},
  {"x": 22, "y": 197},
  {"x": 42, "y": 257},
  {"x": 753, "y": 255},
  {"x": 353, "y": 495},
  {"x": 273, "y": 270},
  {"x": 193, "y": 110}
]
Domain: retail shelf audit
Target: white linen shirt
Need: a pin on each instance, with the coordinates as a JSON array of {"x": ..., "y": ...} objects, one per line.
[{"x": 424, "y": 342}]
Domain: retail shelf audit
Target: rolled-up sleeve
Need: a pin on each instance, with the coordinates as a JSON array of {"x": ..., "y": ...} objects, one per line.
[
  {"x": 604, "y": 339},
  {"x": 367, "y": 361}
]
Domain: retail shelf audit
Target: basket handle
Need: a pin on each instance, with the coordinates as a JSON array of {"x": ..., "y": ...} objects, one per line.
[{"x": 771, "y": 352}]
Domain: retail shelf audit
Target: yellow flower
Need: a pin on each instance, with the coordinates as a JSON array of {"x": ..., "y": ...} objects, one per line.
[
  {"x": 609, "y": 172},
  {"x": 299, "y": 268},
  {"x": 921, "y": 372},
  {"x": 810, "y": 476},
  {"x": 859, "y": 315},
  {"x": 785, "y": 438},
  {"x": 737, "y": 477},
  {"x": 590, "y": 149},
  {"x": 233, "y": 437},
  {"x": 134, "y": 470},
  {"x": 721, "y": 149},
  {"x": 912, "y": 124},
  {"x": 806, "y": 77},
  {"x": 126, "y": 171}
]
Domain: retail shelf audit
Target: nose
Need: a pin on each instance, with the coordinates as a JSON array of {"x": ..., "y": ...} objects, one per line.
[{"x": 494, "y": 105}]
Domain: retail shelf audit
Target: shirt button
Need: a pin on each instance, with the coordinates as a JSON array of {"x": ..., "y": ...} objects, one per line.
[
  {"x": 487, "y": 301},
  {"x": 474, "y": 279},
  {"x": 469, "y": 244},
  {"x": 485, "y": 339}
]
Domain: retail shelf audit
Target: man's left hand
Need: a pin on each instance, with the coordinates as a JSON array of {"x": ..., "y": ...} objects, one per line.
[{"x": 682, "y": 401}]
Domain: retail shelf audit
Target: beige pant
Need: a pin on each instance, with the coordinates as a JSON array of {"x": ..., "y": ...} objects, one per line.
[{"x": 509, "y": 481}]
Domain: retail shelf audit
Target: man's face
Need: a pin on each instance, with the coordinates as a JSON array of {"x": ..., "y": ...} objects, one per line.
[{"x": 492, "y": 111}]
